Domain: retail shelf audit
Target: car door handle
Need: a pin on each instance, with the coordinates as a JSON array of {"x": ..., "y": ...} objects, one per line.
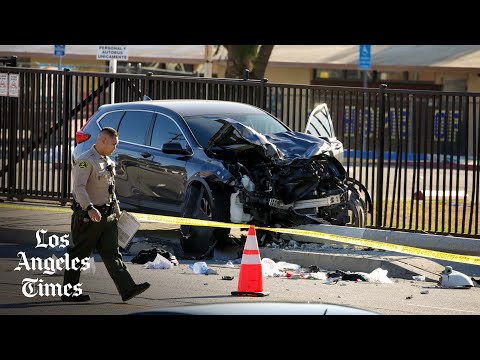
[{"x": 146, "y": 154}]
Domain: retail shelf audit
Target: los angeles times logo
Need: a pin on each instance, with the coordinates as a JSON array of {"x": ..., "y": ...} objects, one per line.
[{"x": 32, "y": 287}]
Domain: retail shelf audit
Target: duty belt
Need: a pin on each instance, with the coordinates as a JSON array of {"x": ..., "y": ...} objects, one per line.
[{"x": 104, "y": 209}]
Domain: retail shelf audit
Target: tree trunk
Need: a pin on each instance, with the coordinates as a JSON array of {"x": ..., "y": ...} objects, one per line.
[
  {"x": 239, "y": 58},
  {"x": 261, "y": 62}
]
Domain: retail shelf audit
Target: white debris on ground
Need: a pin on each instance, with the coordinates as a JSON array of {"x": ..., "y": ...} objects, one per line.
[
  {"x": 282, "y": 265},
  {"x": 455, "y": 279},
  {"x": 223, "y": 258},
  {"x": 159, "y": 263},
  {"x": 293, "y": 271},
  {"x": 202, "y": 268},
  {"x": 377, "y": 276}
]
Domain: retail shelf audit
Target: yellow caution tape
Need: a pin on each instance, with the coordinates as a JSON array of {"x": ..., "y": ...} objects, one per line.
[
  {"x": 185, "y": 221},
  {"x": 35, "y": 207},
  {"x": 466, "y": 259}
]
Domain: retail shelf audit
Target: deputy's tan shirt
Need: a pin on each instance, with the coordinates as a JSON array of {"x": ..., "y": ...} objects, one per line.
[{"x": 91, "y": 179}]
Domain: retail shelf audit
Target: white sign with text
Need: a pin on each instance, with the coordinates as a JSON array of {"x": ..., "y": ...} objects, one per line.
[
  {"x": 3, "y": 84},
  {"x": 13, "y": 85},
  {"x": 112, "y": 52}
]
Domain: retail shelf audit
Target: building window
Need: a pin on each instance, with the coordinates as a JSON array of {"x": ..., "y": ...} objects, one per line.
[{"x": 394, "y": 79}]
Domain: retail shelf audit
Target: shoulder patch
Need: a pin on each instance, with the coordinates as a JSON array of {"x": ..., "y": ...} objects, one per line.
[{"x": 83, "y": 164}]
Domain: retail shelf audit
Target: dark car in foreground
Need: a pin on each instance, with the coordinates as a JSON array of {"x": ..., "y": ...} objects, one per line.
[
  {"x": 257, "y": 309},
  {"x": 223, "y": 161}
]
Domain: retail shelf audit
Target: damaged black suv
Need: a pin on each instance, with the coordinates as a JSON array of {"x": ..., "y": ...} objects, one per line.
[{"x": 223, "y": 161}]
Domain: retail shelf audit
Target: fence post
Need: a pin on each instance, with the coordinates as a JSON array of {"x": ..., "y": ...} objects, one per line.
[
  {"x": 13, "y": 153},
  {"x": 263, "y": 94},
  {"x": 147, "y": 84},
  {"x": 381, "y": 137},
  {"x": 12, "y": 146},
  {"x": 66, "y": 136}
]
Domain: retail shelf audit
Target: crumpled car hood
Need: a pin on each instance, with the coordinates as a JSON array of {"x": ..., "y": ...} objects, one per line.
[
  {"x": 286, "y": 145},
  {"x": 295, "y": 144}
]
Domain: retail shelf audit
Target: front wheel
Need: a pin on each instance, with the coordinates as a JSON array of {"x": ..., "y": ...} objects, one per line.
[
  {"x": 356, "y": 209},
  {"x": 200, "y": 241}
]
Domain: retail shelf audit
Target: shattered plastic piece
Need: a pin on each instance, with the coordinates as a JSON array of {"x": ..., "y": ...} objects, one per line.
[
  {"x": 454, "y": 279},
  {"x": 200, "y": 267}
]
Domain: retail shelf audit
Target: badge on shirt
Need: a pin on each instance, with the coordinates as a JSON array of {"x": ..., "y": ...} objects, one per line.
[{"x": 83, "y": 164}]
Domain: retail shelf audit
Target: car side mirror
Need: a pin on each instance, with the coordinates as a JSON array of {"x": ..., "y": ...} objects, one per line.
[{"x": 175, "y": 148}]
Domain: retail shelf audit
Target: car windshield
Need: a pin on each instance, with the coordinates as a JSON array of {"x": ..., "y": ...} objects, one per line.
[{"x": 204, "y": 126}]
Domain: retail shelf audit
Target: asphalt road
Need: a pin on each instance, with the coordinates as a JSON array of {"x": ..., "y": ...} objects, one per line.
[{"x": 179, "y": 286}]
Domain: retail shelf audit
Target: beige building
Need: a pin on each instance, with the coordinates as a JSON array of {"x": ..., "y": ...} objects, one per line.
[{"x": 429, "y": 67}]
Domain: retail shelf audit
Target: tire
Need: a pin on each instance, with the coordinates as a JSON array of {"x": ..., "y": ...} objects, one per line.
[
  {"x": 357, "y": 213},
  {"x": 199, "y": 241}
]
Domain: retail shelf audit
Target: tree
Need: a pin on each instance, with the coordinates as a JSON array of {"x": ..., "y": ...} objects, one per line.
[{"x": 252, "y": 57}]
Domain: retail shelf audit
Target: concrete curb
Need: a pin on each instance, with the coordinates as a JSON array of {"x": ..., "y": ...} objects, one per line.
[{"x": 449, "y": 244}]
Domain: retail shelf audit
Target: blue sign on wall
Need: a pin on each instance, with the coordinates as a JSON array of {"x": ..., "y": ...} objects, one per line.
[
  {"x": 364, "y": 62},
  {"x": 59, "y": 50}
]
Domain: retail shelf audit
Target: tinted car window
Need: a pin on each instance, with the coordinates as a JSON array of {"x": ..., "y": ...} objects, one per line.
[
  {"x": 134, "y": 126},
  {"x": 164, "y": 131},
  {"x": 204, "y": 126},
  {"x": 111, "y": 119}
]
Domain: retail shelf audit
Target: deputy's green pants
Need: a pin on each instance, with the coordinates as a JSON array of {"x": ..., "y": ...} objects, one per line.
[{"x": 102, "y": 236}]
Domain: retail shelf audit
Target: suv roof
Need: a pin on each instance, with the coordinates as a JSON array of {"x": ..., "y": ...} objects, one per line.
[{"x": 191, "y": 107}]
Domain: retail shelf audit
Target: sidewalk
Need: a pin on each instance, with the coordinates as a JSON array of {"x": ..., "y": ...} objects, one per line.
[{"x": 19, "y": 226}]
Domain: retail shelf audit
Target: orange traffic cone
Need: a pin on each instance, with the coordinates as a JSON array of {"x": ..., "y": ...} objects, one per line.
[{"x": 250, "y": 281}]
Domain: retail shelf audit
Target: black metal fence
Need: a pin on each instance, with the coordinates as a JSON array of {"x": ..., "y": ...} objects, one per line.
[{"x": 417, "y": 152}]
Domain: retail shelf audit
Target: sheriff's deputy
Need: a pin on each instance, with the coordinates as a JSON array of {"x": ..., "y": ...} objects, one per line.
[{"x": 95, "y": 216}]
